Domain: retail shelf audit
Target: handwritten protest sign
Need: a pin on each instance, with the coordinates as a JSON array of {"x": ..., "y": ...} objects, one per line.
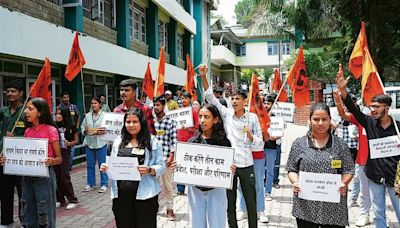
[
  {"x": 182, "y": 116},
  {"x": 384, "y": 147},
  {"x": 284, "y": 110},
  {"x": 320, "y": 186},
  {"x": 277, "y": 126},
  {"x": 203, "y": 165},
  {"x": 113, "y": 123},
  {"x": 25, "y": 156},
  {"x": 123, "y": 168}
]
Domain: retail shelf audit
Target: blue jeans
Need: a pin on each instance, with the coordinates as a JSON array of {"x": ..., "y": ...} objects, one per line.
[
  {"x": 91, "y": 156},
  {"x": 277, "y": 164},
  {"x": 270, "y": 157},
  {"x": 378, "y": 192},
  {"x": 259, "y": 171},
  {"x": 207, "y": 208},
  {"x": 181, "y": 188},
  {"x": 356, "y": 183},
  {"x": 38, "y": 201}
]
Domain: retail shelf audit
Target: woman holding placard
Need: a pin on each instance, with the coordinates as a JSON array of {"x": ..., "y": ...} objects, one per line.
[
  {"x": 68, "y": 138},
  {"x": 135, "y": 203},
  {"x": 319, "y": 153},
  {"x": 208, "y": 206},
  {"x": 94, "y": 147},
  {"x": 38, "y": 201}
]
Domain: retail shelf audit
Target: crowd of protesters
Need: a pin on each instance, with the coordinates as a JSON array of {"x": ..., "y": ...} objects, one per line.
[{"x": 151, "y": 136}]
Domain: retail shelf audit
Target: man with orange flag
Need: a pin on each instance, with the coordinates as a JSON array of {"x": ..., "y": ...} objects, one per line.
[
  {"x": 76, "y": 60},
  {"x": 148, "y": 84},
  {"x": 277, "y": 85},
  {"x": 41, "y": 87},
  {"x": 298, "y": 81},
  {"x": 159, "y": 86},
  {"x": 357, "y": 55}
]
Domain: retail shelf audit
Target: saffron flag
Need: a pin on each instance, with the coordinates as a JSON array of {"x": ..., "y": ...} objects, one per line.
[
  {"x": 190, "y": 85},
  {"x": 277, "y": 85},
  {"x": 148, "y": 84},
  {"x": 256, "y": 105},
  {"x": 42, "y": 86},
  {"x": 298, "y": 81},
  {"x": 371, "y": 84},
  {"x": 76, "y": 60},
  {"x": 159, "y": 88},
  {"x": 356, "y": 57}
]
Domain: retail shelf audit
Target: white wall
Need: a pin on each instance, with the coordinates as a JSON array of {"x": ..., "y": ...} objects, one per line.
[
  {"x": 28, "y": 37},
  {"x": 178, "y": 13}
]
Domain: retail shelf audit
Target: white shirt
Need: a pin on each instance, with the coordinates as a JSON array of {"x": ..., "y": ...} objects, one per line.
[{"x": 234, "y": 129}]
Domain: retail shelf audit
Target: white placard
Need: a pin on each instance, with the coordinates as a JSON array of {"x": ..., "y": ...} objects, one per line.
[
  {"x": 204, "y": 165},
  {"x": 320, "y": 186},
  {"x": 113, "y": 123},
  {"x": 276, "y": 127},
  {"x": 25, "y": 156},
  {"x": 384, "y": 147},
  {"x": 123, "y": 168},
  {"x": 284, "y": 110},
  {"x": 335, "y": 115},
  {"x": 182, "y": 116}
]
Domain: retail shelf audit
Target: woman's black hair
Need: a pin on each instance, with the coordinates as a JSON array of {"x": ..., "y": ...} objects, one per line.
[
  {"x": 143, "y": 138},
  {"x": 43, "y": 108},
  {"x": 67, "y": 121},
  {"x": 186, "y": 94},
  {"x": 218, "y": 130},
  {"x": 96, "y": 99},
  {"x": 320, "y": 106}
]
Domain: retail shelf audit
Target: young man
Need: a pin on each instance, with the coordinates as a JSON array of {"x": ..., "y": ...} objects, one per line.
[
  {"x": 76, "y": 118},
  {"x": 178, "y": 97},
  {"x": 244, "y": 132},
  {"x": 185, "y": 133},
  {"x": 104, "y": 106},
  {"x": 381, "y": 172},
  {"x": 171, "y": 104},
  {"x": 166, "y": 135},
  {"x": 127, "y": 91},
  {"x": 9, "y": 118}
]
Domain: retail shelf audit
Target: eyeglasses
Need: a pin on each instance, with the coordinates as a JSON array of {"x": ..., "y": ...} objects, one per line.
[{"x": 375, "y": 107}]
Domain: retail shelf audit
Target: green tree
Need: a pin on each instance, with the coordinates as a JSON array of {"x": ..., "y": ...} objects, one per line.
[{"x": 243, "y": 11}]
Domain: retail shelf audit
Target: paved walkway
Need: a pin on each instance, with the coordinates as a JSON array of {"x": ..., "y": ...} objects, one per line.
[{"x": 95, "y": 208}]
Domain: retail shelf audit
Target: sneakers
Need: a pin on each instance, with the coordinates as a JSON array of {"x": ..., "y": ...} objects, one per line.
[
  {"x": 268, "y": 196},
  {"x": 353, "y": 203},
  {"x": 276, "y": 186},
  {"x": 363, "y": 220},
  {"x": 71, "y": 206},
  {"x": 263, "y": 217},
  {"x": 103, "y": 189},
  {"x": 170, "y": 215},
  {"x": 88, "y": 188},
  {"x": 241, "y": 216},
  {"x": 8, "y": 226}
]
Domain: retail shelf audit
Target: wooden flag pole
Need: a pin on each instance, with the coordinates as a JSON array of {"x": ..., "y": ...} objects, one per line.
[
  {"x": 83, "y": 93},
  {"x": 279, "y": 93}
]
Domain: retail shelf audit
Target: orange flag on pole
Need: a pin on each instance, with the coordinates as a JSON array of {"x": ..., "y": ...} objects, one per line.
[
  {"x": 371, "y": 84},
  {"x": 298, "y": 81},
  {"x": 148, "y": 84},
  {"x": 190, "y": 85},
  {"x": 277, "y": 85},
  {"x": 256, "y": 105},
  {"x": 41, "y": 87},
  {"x": 356, "y": 57},
  {"x": 76, "y": 60},
  {"x": 159, "y": 88}
]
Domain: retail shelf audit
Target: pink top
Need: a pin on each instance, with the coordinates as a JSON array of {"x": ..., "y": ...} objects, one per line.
[{"x": 43, "y": 131}]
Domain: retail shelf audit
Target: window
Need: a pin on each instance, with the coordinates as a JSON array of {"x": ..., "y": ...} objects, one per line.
[
  {"x": 163, "y": 35},
  {"x": 285, "y": 48},
  {"x": 272, "y": 48},
  {"x": 137, "y": 23},
  {"x": 241, "y": 50},
  {"x": 102, "y": 11},
  {"x": 180, "y": 46}
]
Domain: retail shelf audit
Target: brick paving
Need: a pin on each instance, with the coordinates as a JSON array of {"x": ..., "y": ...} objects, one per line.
[{"x": 95, "y": 208}]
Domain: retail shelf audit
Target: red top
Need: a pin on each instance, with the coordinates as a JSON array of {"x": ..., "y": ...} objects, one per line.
[
  {"x": 362, "y": 155},
  {"x": 147, "y": 112},
  {"x": 44, "y": 131},
  {"x": 185, "y": 134},
  {"x": 258, "y": 154}
]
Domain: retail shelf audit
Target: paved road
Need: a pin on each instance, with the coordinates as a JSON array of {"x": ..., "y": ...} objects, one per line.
[{"x": 95, "y": 208}]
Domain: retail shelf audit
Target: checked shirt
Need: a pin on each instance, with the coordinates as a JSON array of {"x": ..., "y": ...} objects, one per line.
[{"x": 166, "y": 135}]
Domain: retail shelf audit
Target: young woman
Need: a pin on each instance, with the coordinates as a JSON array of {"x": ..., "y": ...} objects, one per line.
[
  {"x": 320, "y": 152},
  {"x": 135, "y": 203},
  {"x": 68, "y": 137},
  {"x": 38, "y": 204},
  {"x": 208, "y": 206},
  {"x": 94, "y": 147}
]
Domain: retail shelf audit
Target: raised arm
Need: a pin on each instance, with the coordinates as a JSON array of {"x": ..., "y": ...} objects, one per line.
[{"x": 339, "y": 105}]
